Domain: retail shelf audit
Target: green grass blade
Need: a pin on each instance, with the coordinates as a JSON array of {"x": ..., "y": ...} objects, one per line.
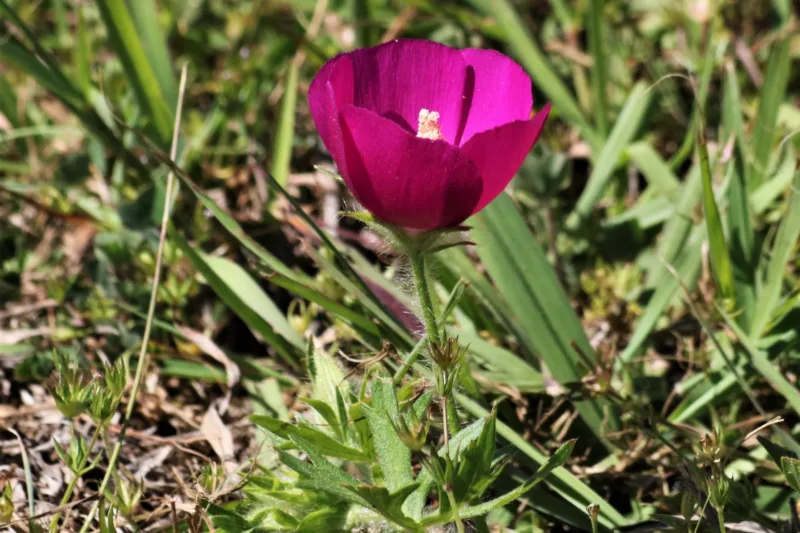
[
  {"x": 720, "y": 258},
  {"x": 758, "y": 359},
  {"x": 362, "y": 22},
  {"x": 531, "y": 57},
  {"x": 677, "y": 230},
  {"x": 16, "y": 54},
  {"x": 780, "y": 257},
  {"x": 246, "y": 288},
  {"x": 82, "y": 55},
  {"x": 561, "y": 480},
  {"x": 127, "y": 43},
  {"x": 763, "y": 197},
  {"x": 688, "y": 267},
  {"x": 687, "y": 146},
  {"x": 526, "y": 280},
  {"x": 654, "y": 168},
  {"x": 47, "y": 59},
  {"x": 60, "y": 16},
  {"x": 8, "y": 102},
  {"x": 343, "y": 312},
  {"x": 691, "y": 408},
  {"x": 741, "y": 236},
  {"x": 233, "y": 227},
  {"x": 484, "y": 292},
  {"x": 784, "y": 9},
  {"x": 764, "y": 366},
  {"x": 51, "y": 78},
  {"x": 284, "y": 138},
  {"x": 145, "y": 18},
  {"x": 500, "y": 365},
  {"x": 629, "y": 122},
  {"x": 239, "y": 303},
  {"x": 599, "y": 74},
  {"x": 342, "y": 264},
  {"x": 773, "y": 92}
]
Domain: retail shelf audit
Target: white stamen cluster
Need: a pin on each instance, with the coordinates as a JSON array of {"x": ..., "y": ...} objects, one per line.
[{"x": 428, "y": 125}]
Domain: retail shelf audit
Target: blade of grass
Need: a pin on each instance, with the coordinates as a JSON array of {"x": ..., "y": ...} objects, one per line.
[
  {"x": 741, "y": 236},
  {"x": 362, "y": 23},
  {"x": 784, "y": 9},
  {"x": 654, "y": 168},
  {"x": 48, "y": 60},
  {"x": 526, "y": 280},
  {"x": 341, "y": 260},
  {"x": 393, "y": 329},
  {"x": 60, "y": 17},
  {"x": 686, "y": 147},
  {"x": 768, "y": 371},
  {"x": 284, "y": 138},
  {"x": 502, "y": 366},
  {"x": 241, "y": 283},
  {"x": 688, "y": 267},
  {"x": 8, "y": 102},
  {"x": 531, "y": 57},
  {"x": 686, "y": 411},
  {"x": 141, "y": 364},
  {"x": 479, "y": 286},
  {"x": 247, "y": 363},
  {"x": 677, "y": 229},
  {"x": 16, "y": 54},
  {"x": 145, "y": 18},
  {"x": 233, "y": 227},
  {"x": 629, "y": 122},
  {"x": 780, "y": 257},
  {"x": 599, "y": 76},
  {"x": 560, "y": 480},
  {"x": 763, "y": 197},
  {"x": 138, "y": 69},
  {"x": 82, "y": 55},
  {"x": 776, "y": 81},
  {"x": 720, "y": 258},
  {"x": 354, "y": 318},
  {"x": 40, "y": 67},
  {"x": 233, "y": 291},
  {"x": 758, "y": 359}
]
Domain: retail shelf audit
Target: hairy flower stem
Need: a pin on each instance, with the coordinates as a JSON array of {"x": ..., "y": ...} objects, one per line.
[
  {"x": 78, "y": 474},
  {"x": 425, "y": 300},
  {"x": 432, "y": 334},
  {"x": 721, "y": 519}
]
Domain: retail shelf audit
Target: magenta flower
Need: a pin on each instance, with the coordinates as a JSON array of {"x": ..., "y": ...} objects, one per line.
[{"x": 425, "y": 135}]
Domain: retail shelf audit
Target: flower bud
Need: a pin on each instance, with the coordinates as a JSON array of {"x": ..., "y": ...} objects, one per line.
[
  {"x": 448, "y": 354},
  {"x": 413, "y": 433}
]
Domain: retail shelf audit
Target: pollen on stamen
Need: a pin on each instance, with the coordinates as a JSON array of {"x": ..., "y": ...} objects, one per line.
[{"x": 428, "y": 125}]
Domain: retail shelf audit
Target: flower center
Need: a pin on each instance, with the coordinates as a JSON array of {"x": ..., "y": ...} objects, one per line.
[{"x": 428, "y": 125}]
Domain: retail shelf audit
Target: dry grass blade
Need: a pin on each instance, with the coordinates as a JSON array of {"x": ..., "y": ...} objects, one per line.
[{"x": 151, "y": 308}]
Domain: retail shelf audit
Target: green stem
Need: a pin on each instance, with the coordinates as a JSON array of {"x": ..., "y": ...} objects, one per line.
[
  {"x": 446, "y": 433},
  {"x": 432, "y": 334},
  {"x": 425, "y": 300},
  {"x": 721, "y": 519},
  {"x": 456, "y": 518},
  {"x": 72, "y": 484}
]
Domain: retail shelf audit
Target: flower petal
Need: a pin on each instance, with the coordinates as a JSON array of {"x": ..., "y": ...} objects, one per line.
[
  {"x": 331, "y": 89},
  {"x": 399, "y": 78},
  {"x": 499, "y": 153},
  {"x": 405, "y": 180},
  {"x": 497, "y": 91}
]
